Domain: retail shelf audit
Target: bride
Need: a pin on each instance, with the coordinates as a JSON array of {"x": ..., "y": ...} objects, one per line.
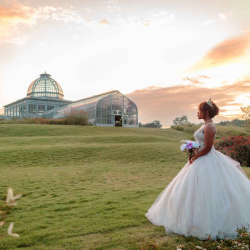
[{"x": 210, "y": 194}]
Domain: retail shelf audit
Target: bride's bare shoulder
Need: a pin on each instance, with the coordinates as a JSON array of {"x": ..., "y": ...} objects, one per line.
[
  {"x": 209, "y": 124},
  {"x": 210, "y": 127}
]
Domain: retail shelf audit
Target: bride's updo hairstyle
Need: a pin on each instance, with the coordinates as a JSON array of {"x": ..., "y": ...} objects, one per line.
[{"x": 212, "y": 111}]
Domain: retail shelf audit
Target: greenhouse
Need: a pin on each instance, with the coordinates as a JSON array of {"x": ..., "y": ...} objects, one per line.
[
  {"x": 45, "y": 99},
  {"x": 106, "y": 109},
  {"x": 43, "y": 94}
]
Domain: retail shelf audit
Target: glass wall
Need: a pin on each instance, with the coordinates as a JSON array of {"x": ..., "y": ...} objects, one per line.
[
  {"x": 41, "y": 109},
  {"x": 117, "y": 109},
  {"x": 15, "y": 110},
  {"x": 86, "y": 105},
  {"x": 103, "y": 111},
  {"x": 108, "y": 109},
  {"x": 34, "y": 108},
  {"x": 22, "y": 108},
  {"x": 49, "y": 107}
]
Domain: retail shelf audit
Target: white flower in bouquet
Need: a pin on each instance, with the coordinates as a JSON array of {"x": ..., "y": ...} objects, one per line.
[
  {"x": 183, "y": 147},
  {"x": 189, "y": 147},
  {"x": 196, "y": 144}
]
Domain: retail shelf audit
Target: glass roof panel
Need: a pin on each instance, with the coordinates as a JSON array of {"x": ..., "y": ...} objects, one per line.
[
  {"x": 88, "y": 103},
  {"x": 45, "y": 86}
]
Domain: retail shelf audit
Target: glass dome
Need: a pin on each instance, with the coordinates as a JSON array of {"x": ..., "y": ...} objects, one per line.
[{"x": 45, "y": 86}]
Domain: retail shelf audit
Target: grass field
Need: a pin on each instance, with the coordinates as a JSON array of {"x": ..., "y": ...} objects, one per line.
[{"x": 87, "y": 187}]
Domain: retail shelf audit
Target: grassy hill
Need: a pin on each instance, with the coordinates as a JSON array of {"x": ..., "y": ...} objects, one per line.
[{"x": 87, "y": 187}]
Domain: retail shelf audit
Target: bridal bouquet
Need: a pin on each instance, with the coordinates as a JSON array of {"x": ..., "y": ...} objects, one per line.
[{"x": 190, "y": 147}]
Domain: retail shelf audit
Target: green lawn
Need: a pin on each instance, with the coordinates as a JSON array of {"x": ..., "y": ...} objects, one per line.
[{"x": 87, "y": 187}]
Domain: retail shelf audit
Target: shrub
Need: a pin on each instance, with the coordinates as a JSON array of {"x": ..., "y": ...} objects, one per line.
[
  {"x": 237, "y": 147},
  {"x": 34, "y": 121},
  {"x": 178, "y": 127},
  {"x": 189, "y": 128},
  {"x": 149, "y": 244},
  {"x": 153, "y": 124},
  {"x": 75, "y": 117},
  {"x": 221, "y": 130},
  {"x": 234, "y": 122}
]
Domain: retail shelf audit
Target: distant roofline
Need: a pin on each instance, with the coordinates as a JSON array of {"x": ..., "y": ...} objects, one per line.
[
  {"x": 39, "y": 99},
  {"x": 66, "y": 101},
  {"x": 93, "y": 96}
]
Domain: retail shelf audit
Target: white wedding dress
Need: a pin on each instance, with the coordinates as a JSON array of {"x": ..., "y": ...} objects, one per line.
[{"x": 209, "y": 196}]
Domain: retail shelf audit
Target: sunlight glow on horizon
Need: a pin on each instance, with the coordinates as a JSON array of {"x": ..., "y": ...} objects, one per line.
[{"x": 98, "y": 48}]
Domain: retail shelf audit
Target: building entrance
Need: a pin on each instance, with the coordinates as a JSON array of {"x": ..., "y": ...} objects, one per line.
[{"x": 118, "y": 121}]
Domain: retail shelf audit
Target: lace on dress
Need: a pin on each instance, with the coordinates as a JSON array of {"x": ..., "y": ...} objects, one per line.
[{"x": 199, "y": 135}]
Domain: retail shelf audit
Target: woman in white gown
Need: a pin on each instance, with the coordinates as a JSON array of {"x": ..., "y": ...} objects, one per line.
[{"x": 210, "y": 194}]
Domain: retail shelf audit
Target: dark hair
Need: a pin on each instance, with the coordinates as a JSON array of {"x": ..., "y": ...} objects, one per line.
[{"x": 212, "y": 111}]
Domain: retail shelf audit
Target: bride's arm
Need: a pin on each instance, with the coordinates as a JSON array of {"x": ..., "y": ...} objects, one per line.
[{"x": 209, "y": 133}]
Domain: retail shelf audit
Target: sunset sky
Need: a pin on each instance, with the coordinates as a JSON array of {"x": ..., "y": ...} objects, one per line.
[{"x": 166, "y": 56}]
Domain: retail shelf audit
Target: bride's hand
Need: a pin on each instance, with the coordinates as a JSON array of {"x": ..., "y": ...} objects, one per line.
[{"x": 191, "y": 160}]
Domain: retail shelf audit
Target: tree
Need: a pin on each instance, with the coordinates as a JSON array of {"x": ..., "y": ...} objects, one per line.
[
  {"x": 234, "y": 122},
  {"x": 140, "y": 124},
  {"x": 181, "y": 120},
  {"x": 153, "y": 124},
  {"x": 157, "y": 123},
  {"x": 246, "y": 111}
]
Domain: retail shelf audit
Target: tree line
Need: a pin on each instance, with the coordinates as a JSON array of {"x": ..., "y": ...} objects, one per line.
[
  {"x": 235, "y": 122},
  {"x": 153, "y": 124},
  {"x": 184, "y": 120}
]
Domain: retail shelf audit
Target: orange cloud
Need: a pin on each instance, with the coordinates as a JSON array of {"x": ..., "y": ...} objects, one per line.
[
  {"x": 196, "y": 80},
  {"x": 225, "y": 52},
  {"x": 16, "y": 12},
  {"x": 205, "y": 77},
  {"x": 165, "y": 104},
  {"x": 10, "y": 19},
  {"x": 103, "y": 22},
  {"x": 193, "y": 80}
]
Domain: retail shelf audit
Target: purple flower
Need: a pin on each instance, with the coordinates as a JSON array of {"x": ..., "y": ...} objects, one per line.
[{"x": 189, "y": 145}]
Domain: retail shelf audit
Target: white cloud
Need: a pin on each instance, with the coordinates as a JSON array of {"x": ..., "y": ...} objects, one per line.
[
  {"x": 206, "y": 23},
  {"x": 159, "y": 19},
  {"x": 223, "y": 16},
  {"x": 21, "y": 39},
  {"x": 59, "y": 14},
  {"x": 12, "y": 19}
]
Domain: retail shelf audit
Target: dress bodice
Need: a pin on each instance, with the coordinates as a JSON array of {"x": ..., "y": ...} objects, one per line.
[{"x": 199, "y": 135}]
